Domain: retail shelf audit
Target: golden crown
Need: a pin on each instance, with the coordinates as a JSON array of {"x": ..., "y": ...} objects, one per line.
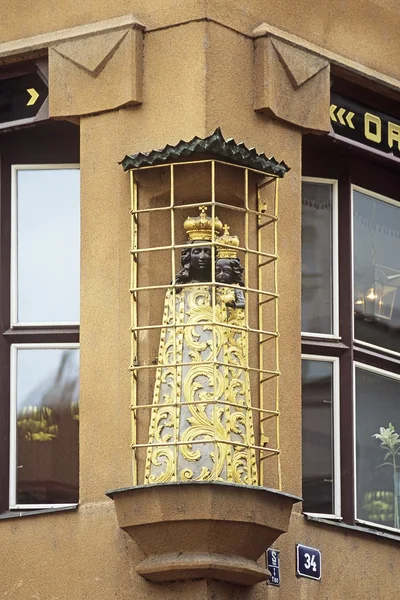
[
  {"x": 201, "y": 228},
  {"x": 229, "y": 240}
]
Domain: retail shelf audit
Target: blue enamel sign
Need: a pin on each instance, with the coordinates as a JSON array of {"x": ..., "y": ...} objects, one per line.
[
  {"x": 274, "y": 567},
  {"x": 308, "y": 562}
]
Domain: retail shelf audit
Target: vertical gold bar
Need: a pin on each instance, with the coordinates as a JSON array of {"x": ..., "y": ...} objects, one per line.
[
  {"x": 277, "y": 378},
  {"x": 176, "y": 410},
  {"x": 246, "y": 307},
  {"x": 260, "y": 327},
  {"x": 213, "y": 302},
  {"x": 134, "y": 357}
]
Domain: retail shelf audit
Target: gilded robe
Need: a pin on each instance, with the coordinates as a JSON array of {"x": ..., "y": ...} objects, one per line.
[{"x": 201, "y": 426}]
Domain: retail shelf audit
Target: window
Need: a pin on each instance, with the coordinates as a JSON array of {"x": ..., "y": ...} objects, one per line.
[
  {"x": 319, "y": 252},
  {"x": 351, "y": 336},
  {"x": 39, "y": 353},
  {"x": 321, "y": 448}
]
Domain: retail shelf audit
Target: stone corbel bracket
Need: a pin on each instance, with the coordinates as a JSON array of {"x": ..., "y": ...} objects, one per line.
[
  {"x": 203, "y": 530},
  {"x": 291, "y": 83},
  {"x": 96, "y": 71}
]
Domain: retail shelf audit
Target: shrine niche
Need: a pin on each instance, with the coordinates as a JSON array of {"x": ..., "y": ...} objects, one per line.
[{"x": 205, "y": 359}]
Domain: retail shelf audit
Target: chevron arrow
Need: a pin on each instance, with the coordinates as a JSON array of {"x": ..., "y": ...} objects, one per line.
[
  {"x": 340, "y": 114},
  {"x": 344, "y": 117},
  {"x": 348, "y": 118},
  {"x": 332, "y": 112},
  {"x": 33, "y": 96}
]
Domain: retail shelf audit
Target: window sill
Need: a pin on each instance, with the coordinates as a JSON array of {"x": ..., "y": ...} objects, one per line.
[
  {"x": 320, "y": 337},
  {"x": 15, "y": 514},
  {"x": 355, "y": 528}
]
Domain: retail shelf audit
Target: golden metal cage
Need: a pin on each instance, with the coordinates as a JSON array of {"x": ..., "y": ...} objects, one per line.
[{"x": 238, "y": 430}]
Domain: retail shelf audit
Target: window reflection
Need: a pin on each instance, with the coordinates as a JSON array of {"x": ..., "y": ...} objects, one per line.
[
  {"x": 378, "y": 479},
  {"x": 47, "y": 425},
  {"x": 376, "y": 271},
  {"x": 317, "y": 258},
  {"x": 47, "y": 245},
  {"x": 317, "y": 403}
]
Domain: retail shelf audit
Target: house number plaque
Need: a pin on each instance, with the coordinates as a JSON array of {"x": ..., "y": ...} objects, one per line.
[{"x": 308, "y": 562}]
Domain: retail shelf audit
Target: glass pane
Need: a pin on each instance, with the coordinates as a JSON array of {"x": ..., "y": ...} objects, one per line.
[
  {"x": 48, "y": 246},
  {"x": 47, "y": 425},
  {"x": 317, "y": 382},
  {"x": 316, "y": 248},
  {"x": 378, "y": 459},
  {"x": 376, "y": 271}
]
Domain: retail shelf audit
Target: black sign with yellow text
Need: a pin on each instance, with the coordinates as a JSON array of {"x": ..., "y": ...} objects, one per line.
[
  {"x": 21, "y": 97},
  {"x": 365, "y": 125}
]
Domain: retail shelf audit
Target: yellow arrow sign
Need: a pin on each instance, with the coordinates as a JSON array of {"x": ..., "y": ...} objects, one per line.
[
  {"x": 33, "y": 96},
  {"x": 349, "y": 120},
  {"x": 345, "y": 117},
  {"x": 332, "y": 112},
  {"x": 340, "y": 114}
]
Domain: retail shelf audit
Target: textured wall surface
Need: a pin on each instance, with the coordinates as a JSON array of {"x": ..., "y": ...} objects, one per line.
[
  {"x": 198, "y": 74},
  {"x": 364, "y": 30}
]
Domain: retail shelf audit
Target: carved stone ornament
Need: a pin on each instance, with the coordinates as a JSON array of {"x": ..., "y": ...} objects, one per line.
[
  {"x": 96, "y": 72},
  {"x": 291, "y": 84}
]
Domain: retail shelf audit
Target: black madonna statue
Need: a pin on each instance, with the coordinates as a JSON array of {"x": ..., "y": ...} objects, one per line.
[
  {"x": 201, "y": 422},
  {"x": 228, "y": 270}
]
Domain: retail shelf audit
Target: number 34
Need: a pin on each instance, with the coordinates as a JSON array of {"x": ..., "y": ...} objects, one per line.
[{"x": 310, "y": 561}]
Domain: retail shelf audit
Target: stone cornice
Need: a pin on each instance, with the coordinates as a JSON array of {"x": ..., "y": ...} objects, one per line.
[
  {"x": 46, "y": 40},
  {"x": 266, "y": 30}
]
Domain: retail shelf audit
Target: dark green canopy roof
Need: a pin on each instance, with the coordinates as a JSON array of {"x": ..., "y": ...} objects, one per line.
[{"x": 215, "y": 145}]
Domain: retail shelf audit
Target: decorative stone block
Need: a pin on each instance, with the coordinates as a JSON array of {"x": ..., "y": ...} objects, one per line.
[
  {"x": 292, "y": 84},
  {"x": 96, "y": 73}
]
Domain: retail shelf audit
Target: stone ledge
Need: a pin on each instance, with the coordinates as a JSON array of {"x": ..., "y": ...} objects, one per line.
[
  {"x": 203, "y": 530},
  {"x": 191, "y": 565}
]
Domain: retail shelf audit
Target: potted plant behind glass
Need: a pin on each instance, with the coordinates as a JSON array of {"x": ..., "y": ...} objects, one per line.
[{"x": 390, "y": 441}]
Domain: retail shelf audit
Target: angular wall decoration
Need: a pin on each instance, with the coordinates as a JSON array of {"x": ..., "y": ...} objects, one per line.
[
  {"x": 291, "y": 84},
  {"x": 96, "y": 73}
]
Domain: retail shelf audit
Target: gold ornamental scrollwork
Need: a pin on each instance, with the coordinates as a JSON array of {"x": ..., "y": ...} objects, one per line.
[{"x": 201, "y": 425}]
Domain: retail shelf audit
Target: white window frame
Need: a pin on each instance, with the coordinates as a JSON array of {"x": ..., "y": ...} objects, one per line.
[
  {"x": 390, "y": 375},
  {"x": 388, "y": 200},
  {"x": 13, "y": 423},
  {"x": 337, "y": 504},
  {"x": 335, "y": 262},
  {"x": 14, "y": 323}
]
